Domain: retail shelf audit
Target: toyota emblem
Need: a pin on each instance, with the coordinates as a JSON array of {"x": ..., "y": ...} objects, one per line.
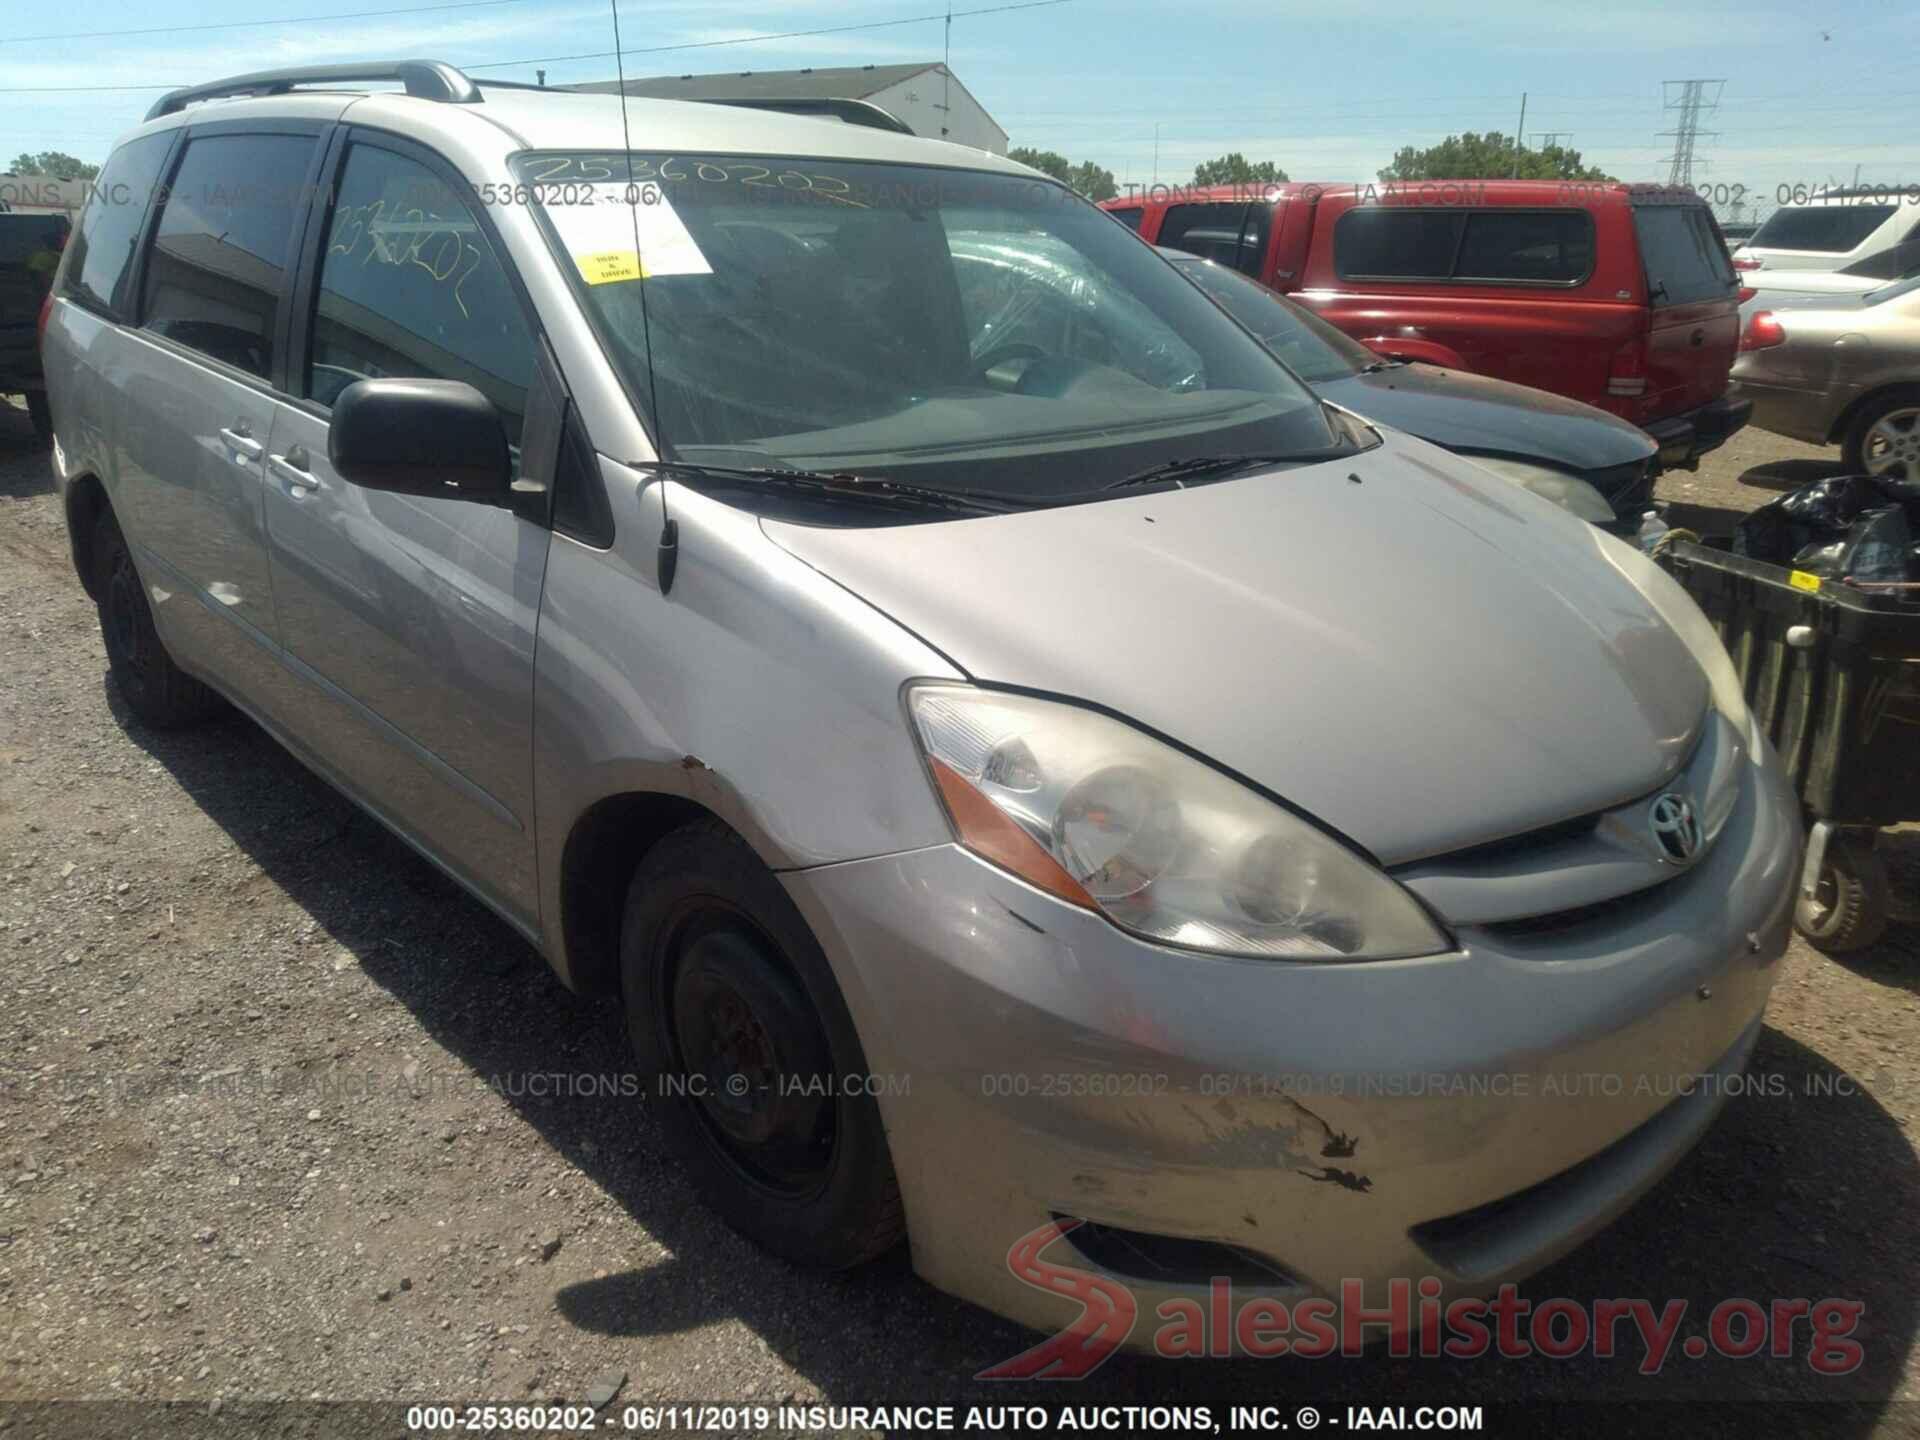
[{"x": 1676, "y": 828}]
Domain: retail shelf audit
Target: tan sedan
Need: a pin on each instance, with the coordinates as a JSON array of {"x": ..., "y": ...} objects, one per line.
[{"x": 1840, "y": 370}]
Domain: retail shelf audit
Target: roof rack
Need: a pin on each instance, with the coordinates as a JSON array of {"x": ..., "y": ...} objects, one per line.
[
  {"x": 425, "y": 79},
  {"x": 854, "y": 112}
]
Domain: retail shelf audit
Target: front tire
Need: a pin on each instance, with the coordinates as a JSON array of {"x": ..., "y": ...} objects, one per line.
[
  {"x": 159, "y": 692},
  {"x": 743, "y": 1040}
]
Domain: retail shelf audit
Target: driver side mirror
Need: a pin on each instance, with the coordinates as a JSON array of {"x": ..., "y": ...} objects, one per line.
[{"x": 441, "y": 439}]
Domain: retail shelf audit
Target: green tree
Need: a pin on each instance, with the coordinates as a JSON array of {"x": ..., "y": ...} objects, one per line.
[
  {"x": 55, "y": 163},
  {"x": 1048, "y": 162},
  {"x": 1233, "y": 168},
  {"x": 1488, "y": 157},
  {"x": 1087, "y": 178},
  {"x": 1092, "y": 181}
]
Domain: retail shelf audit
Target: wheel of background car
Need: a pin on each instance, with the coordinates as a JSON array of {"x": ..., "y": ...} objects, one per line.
[
  {"x": 41, "y": 414},
  {"x": 159, "y": 693},
  {"x": 740, "y": 1033},
  {"x": 1884, "y": 438},
  {"x": 1848, "y": 909}
]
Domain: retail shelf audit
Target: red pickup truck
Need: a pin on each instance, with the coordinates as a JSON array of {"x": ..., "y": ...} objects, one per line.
[{"x": 1619, "y": 295}]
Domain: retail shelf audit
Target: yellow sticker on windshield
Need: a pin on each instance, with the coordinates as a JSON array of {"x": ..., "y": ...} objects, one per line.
[
  {"x": 1801, "y": 580},
  {"x": 607, "y": 266},
  {"x": 608, "y": 228}
]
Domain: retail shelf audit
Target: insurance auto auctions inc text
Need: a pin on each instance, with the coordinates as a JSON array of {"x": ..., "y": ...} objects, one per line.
[{"x": 1125, "y": 1419}]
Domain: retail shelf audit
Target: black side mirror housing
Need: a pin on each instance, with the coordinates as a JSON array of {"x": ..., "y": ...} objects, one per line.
[{"x": 441, "y": 439}]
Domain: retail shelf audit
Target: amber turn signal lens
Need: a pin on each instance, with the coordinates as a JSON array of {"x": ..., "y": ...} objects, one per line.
[{"x": 986, "y": 831}]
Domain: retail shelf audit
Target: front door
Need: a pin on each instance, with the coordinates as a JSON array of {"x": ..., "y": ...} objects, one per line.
[{"x": 413, "y": 619}]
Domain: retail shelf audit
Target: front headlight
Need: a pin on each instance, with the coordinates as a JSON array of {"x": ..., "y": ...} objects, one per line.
[
  {"x": 1569, "y": 492},
  {"x": 1101, "y": 815}
]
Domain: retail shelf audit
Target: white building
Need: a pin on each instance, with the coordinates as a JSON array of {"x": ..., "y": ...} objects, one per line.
[{"x": 927, "y": 97}]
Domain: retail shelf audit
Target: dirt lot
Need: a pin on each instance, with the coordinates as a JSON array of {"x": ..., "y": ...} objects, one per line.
[{"x": 267, "y": 1130}]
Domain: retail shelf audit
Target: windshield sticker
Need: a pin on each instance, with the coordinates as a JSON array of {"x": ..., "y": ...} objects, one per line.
[{"x": 600, "y": 236}]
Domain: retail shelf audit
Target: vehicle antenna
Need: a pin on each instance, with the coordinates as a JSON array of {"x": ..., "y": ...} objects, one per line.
[{"x": 668, "y": 554}]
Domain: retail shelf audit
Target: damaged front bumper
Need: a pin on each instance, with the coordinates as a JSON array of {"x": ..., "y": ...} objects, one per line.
[{"x": 1469, "y": 1116}]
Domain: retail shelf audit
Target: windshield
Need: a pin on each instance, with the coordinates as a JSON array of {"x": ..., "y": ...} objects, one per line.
[
  {"x": 1305, "y": 343},
  {"x": 942, "y": 327},
  {"x": 1831, "y": 229}
]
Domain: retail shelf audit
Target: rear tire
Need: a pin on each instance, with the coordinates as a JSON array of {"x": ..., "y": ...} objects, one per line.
[
  {"x": 741, "y": 1033},
  {"x": 1848, "y": 910},
  {"x": 159, "y": 693},
  {"x": 40, "y": 413},
  {"x": 1884, "y": 438}
]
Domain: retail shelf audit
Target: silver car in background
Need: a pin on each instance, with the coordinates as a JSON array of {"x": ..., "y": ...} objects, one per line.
[
  {"x": 1840, "y": 370},
  {"x": 1073, "y": 778}
]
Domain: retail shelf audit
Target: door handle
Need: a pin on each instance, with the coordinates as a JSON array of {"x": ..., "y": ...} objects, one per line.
[
  {"x": 243, "y": 444},
  {"x": 292, "y": 468},
  {"x": 1699, "y": 337}
]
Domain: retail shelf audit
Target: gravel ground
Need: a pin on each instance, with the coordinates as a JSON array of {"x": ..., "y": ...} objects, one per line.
[{"x": 268, "y": 1130}]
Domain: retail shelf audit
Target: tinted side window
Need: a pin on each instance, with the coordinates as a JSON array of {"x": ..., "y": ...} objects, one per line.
[
  {"x": 1550, "y": 246},
  {"x": 220, "y": 255},
  {"x": 1397, "y": 244},
  {"x": 1130, "y": 217},
  {"x": 1230, "y": 232},
  {"x": 1683, "y": 256},
  {"x": 110, "y": 225},
  {"x": 411, "y": 289}
]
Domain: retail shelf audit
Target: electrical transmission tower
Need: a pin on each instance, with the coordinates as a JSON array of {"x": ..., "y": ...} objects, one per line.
[
  {"x": 1547, "y": 139},
  {"x": 1692, "y": 99}
]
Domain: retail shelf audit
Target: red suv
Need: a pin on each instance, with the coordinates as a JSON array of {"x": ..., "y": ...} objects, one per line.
[{"x": 1619, "y": 295}]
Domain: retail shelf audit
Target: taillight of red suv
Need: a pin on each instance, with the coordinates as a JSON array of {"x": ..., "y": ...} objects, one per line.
[
  {"x": 1627, "y": 374},
  {"x": 1763, "y": 331}
]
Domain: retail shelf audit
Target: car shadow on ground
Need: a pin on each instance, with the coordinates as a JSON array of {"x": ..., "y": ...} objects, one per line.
[
  {"x": 1790, "y": 474},
  {"x": 1806, "y": 1188}
]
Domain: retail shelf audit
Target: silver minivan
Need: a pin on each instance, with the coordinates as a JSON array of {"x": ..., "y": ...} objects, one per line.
[{"x": 1023, "y": 764}]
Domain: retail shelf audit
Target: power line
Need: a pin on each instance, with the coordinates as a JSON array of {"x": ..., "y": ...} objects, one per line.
[
  {"x": 941, "y": 15},
  {"x": 607, "y": 54},
  {"x": 251, "y": 24}
]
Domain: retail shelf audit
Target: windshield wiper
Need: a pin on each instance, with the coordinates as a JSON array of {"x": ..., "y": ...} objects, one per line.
[
  {"x": 843, "y": 485},
  {"x": 1218, "y": 467},
  {"x": 1378, "y": 365}
]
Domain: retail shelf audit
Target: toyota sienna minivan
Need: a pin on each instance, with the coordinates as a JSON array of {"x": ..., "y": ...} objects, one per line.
[{"x": 1066, "y": 779}]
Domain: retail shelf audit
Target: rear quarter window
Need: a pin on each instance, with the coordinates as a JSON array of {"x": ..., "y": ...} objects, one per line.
[
  {"x": 102, "y": 247},
  {"x": 1129, "y": 217}
]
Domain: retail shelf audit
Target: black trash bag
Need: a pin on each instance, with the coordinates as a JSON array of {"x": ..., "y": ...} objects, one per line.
[{"x": 1833, "y": 526}]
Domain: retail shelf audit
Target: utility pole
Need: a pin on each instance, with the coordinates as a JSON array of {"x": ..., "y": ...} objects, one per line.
[
  {"x": 1691, "y": 99},
  {"x": 1156, "y": 152},
  {"x": 1519, "y": 135}
]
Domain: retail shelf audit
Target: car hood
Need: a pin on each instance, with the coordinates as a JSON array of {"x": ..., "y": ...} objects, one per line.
[
  {"x": 1476, "y": 412},
  {"x": 1414, "y": 651}
]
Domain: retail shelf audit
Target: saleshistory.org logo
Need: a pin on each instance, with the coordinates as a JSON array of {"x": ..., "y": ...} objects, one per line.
[{"x": 1414, "y": 1321}]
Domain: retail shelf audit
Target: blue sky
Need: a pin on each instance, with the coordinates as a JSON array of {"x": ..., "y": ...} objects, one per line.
[{"x": 1814, "y": 94}]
